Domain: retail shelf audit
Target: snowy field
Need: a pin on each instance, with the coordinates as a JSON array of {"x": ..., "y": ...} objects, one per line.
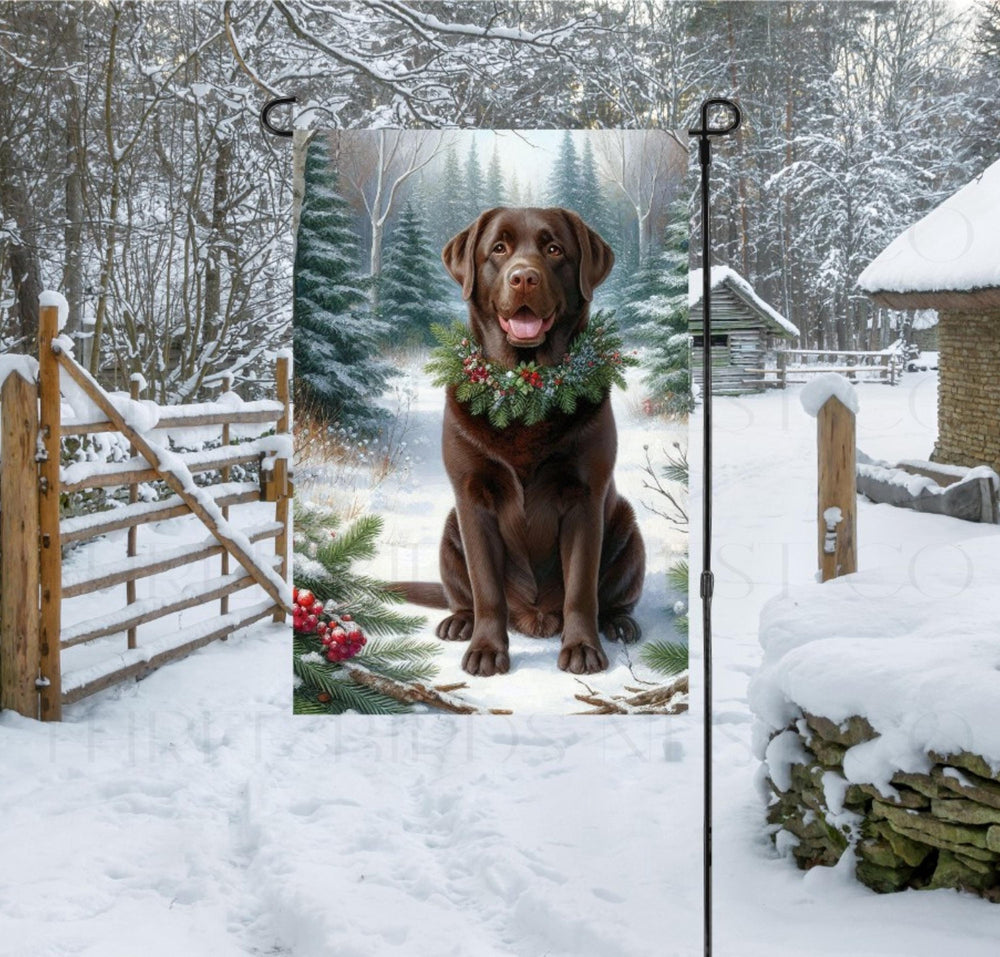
[
  {"x": 765, "y": 545},
  {"x": 191, "y": 813}
]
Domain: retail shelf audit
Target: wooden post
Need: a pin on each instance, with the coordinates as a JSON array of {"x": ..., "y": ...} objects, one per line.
[
  {"x": 133, "y": 497},
  {"x": 783, "y": 369},
  {"x": 282, "y": 510},
  {"x": 227, "y": 384},
  {"x": 50, "y": 566},
  {"x": 837, "y": 485},
  {"x": 20, "y": 656}
]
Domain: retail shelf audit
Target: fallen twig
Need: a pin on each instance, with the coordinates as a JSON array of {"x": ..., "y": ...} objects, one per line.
[
  {"x": 658, "y": 700},
  {"x": 414, "y": 692}
]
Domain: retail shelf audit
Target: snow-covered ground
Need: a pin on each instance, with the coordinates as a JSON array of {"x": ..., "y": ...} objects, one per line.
[
  {"x": 764, "y": 545},
  {"x": 192, "y": 813}
]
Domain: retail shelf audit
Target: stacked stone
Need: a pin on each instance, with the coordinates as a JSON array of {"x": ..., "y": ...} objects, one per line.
[{"x": 940, "y": 829}]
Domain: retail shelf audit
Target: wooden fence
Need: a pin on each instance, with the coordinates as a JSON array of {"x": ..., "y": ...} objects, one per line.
[
  {"x": 33, "y": 535},
  {"x": 796, "y": 365}
]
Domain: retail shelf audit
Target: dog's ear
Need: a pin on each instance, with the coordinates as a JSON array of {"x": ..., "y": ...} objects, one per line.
[
  {"x": 596, "y": 256},
  {"x": 459, "y": 256}
]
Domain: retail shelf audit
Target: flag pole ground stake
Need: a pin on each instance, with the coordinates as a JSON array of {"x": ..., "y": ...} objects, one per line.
[{"x": 729, "y": 113}]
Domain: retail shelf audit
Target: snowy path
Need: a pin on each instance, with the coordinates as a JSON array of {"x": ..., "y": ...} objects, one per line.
[
  {"x": 764, "y": 540},
  {"x": 192, "y": 814}
]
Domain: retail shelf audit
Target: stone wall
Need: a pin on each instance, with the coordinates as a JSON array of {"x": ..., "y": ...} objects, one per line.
[
  {"x": 939, "y": 829},
  {"x": 969, "y": 389}
]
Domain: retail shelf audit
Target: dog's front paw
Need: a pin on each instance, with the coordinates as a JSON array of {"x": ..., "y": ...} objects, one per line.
[
  {"x": 582, "y": 656},
  {"x": 487, "y": 656},
  {"x": 457, "y": 627},
  {"x": 623, "y": 628}
]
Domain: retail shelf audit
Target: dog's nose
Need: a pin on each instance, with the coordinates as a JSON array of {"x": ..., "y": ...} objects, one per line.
[{"x": 524, "y": 277}]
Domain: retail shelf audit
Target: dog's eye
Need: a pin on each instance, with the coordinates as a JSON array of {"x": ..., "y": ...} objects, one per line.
[
  {"x": 554, "y": 250},
  {"x": 500, "y": 248}
]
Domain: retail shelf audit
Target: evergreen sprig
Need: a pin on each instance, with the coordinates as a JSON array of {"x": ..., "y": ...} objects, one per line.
[
  {"x": 323, "y": 559},
  {"x": 665, "y": 657},
  {"x": 530, "y": 393}
]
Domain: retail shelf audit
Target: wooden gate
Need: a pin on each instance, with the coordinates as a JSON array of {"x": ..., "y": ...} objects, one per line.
[{"x": 35, "y": 584}]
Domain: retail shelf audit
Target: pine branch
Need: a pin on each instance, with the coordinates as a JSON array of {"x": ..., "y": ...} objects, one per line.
[
  {"x": 679, "y": 575},
  {"x": 340, "y": 695},
  {"x": 665, "y": 657}
]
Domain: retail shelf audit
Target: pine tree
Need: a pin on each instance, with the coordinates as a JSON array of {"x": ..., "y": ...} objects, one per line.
[
  {"x": 337, "y": 371},
  {"x": 655, "y": 311},
  {"x": 515, "y": 191},
  {"x": 474, "y": 186},
  {"x": 493, "y": 194},
  {"x": 447, "y": 210},
  {"x": 323, "y": 558},
  {"x": 593, "y": 207},
  {"x": 564, "y": 181},
  {"x": 413, "y": 288}
]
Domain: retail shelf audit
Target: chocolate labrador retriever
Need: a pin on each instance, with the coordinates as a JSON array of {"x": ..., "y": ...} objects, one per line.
[{"x": 539, "y": 539}]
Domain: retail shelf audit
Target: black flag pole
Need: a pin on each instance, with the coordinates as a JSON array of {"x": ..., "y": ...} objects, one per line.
[{"x": 731, "y": 118}]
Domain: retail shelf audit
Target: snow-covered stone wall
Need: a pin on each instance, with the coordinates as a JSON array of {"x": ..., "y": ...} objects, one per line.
[
  {"x": 935, "y": 829},
  {"x": 877, "y": 708},
  {"x": 969, "y": 389}
]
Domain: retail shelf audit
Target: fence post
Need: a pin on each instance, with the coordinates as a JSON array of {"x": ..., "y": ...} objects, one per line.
[
  {"x": 783, "y": 369},
  {"x": 837, "y": 488},
  {"x": 282, "y": 510},
  {"x": 133, "y": 532},
  {"x": 20, "y": 657},
  {"x": 50, "y": 565},
  {"x": 227, "y": 385}
]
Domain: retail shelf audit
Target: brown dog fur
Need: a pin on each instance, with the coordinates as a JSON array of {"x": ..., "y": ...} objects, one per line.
[{"x": 539, "y": 538}]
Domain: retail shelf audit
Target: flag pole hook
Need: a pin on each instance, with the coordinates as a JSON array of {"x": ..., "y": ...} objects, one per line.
[
  {"x": 727, "y": 118},
  {"x": 265, "y": 115}
]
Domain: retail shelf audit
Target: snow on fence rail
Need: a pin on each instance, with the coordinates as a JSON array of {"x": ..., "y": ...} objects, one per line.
[
  {"x": 796, "y": 365},
  {"x": 34, "y": 582}
]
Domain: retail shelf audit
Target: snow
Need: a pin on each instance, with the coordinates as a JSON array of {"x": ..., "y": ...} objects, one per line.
[
  {"x": 24, "y": 366},
  {"x": 723, "y": 274},
  {"x": 192, "y": 813},
  {"x": 911, "y": 569},
  {"x": 48, "y": 297},
  {"x": 826, "y": 386},
  {"x": 953, "y": 248}
]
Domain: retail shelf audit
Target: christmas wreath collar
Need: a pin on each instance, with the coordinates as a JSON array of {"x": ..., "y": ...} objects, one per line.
[{"x": 529, "y": 393}]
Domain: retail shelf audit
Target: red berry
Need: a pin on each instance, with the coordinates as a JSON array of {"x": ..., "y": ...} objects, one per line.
[
  {"x": 306, "y": 598},
  {"x": 346, "y": 618}
]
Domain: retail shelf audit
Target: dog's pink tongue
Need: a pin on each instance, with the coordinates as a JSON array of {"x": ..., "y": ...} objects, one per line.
[{"x": 525, "y": 326}]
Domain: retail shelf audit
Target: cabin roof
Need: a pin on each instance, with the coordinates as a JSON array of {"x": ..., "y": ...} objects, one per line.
[{"x": 724, "y": 277}]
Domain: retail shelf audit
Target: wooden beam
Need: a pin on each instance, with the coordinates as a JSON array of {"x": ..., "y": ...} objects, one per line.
[
  {"x": 50, "y": 562},
  {"x": 20, "y": 653},
  {"x": 143, "y": 568},
  {"x": 176, "y": 423},
  {"x": 119, "y": 518},
  {"x": 145, "y": 611},
  {"x": 140, "y": 669},
  {"x": 282, "y": 512},
  {"x": 836, "y": 511},
  {"x": 216, "y": 524}
]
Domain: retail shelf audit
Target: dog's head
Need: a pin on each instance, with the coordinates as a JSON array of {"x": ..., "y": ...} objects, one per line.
[{"x": 529, "y": 275}]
